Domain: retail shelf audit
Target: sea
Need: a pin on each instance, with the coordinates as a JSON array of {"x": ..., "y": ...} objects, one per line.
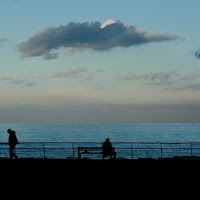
[{"x": 34, "y": 136}]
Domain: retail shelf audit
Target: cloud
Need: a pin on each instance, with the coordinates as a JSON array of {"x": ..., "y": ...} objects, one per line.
[
  {"x": 192, "y": 86},
  {"x": 81, "y": 74},
  {"x": 83, "y": 110},
  {"x": 108, "y": 22},
  {"x": 155, "y": 77},
  {"x": 79, "y": 36},
  {"x": 197, "y": 54},
  {"x": 21, "y": 81},
  {"x": 72, "y": 73},
  {"x": 3, "y": 39},
  {"x": 50, "y": 56},
  {"x": 171, "y": 80}
]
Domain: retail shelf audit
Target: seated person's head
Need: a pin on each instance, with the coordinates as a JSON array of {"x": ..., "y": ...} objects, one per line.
[{"x": 107, "y": 140}]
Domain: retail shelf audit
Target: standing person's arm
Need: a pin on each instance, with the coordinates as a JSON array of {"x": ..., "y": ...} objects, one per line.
[{"x": 17, "y": 142}]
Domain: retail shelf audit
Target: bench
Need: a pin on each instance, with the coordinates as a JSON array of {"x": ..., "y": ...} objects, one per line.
[{"x": 94, "y": 150}]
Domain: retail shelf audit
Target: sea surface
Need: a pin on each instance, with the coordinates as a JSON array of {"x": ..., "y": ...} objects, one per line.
[
  {"x": 172, "y": 132},
  {"x": 125, "y": 133}
]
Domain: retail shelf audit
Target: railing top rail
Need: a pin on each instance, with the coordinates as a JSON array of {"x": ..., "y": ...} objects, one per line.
[{"x": 159, "y": 143}]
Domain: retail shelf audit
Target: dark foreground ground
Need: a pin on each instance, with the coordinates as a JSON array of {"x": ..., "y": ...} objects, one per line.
[
  {"x": 88, "y": 173},
  {"x": 84, "y": 160}
]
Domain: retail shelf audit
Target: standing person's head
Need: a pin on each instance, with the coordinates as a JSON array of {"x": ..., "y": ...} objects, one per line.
[{"x": 9, "y": 131}]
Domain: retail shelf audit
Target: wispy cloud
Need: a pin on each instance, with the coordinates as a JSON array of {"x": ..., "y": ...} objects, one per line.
[
  {"x": 81, "y": 74},
  {"x": 155, "y": 77},
  {"x": 190, "y": 86},
  {"x": 187, "y": 82},
  {"x": 171, "y": 80},
  {"x": 72, "y": 73},
  {"x": 22, "y": 81},
  {"x": 3, "y": 39},
  {"x": 96, "y": 36}
]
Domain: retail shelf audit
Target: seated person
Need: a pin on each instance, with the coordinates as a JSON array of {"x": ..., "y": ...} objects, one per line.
[{"x": 107, "y": 148}]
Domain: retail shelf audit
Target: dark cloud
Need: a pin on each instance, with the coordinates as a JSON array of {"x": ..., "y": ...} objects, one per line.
[
  {"x": 50, "y": 56},
  {"x": 197, "y": 54},
  {"x": 79, "y": 36}
]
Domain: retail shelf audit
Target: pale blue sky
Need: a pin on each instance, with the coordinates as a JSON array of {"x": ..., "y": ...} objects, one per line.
[{"x": 155, "y": 81}]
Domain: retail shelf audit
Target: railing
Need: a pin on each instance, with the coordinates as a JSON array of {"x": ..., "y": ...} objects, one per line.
[{"x": 124, "y": 150}]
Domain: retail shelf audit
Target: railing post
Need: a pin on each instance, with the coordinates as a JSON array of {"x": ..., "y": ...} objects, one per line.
[
  {"x": 191, "y": 149},
  {"x": 131, "y": 151},
  {"x": 44, "y": 151},
  {"x": 161, "y": 150},
  {"x": 73, "y": 149}
]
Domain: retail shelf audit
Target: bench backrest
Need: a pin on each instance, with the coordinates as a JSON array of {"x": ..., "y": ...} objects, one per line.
[{"x": 93, "y": 148}]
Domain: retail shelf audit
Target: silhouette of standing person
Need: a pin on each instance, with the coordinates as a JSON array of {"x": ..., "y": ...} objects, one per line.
[
  {"x": 12, "y": 141},
  {"x": 107, "y": 148}
]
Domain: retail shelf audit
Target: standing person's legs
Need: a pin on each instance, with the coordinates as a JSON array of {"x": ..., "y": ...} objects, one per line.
[{"x": 12, "y": 153}]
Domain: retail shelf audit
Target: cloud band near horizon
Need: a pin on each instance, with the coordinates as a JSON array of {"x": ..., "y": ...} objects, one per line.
[{"x": 79, "y": 36}]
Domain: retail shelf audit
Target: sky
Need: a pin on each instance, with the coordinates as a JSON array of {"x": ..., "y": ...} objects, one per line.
[{"x": 108, "y": 61}]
